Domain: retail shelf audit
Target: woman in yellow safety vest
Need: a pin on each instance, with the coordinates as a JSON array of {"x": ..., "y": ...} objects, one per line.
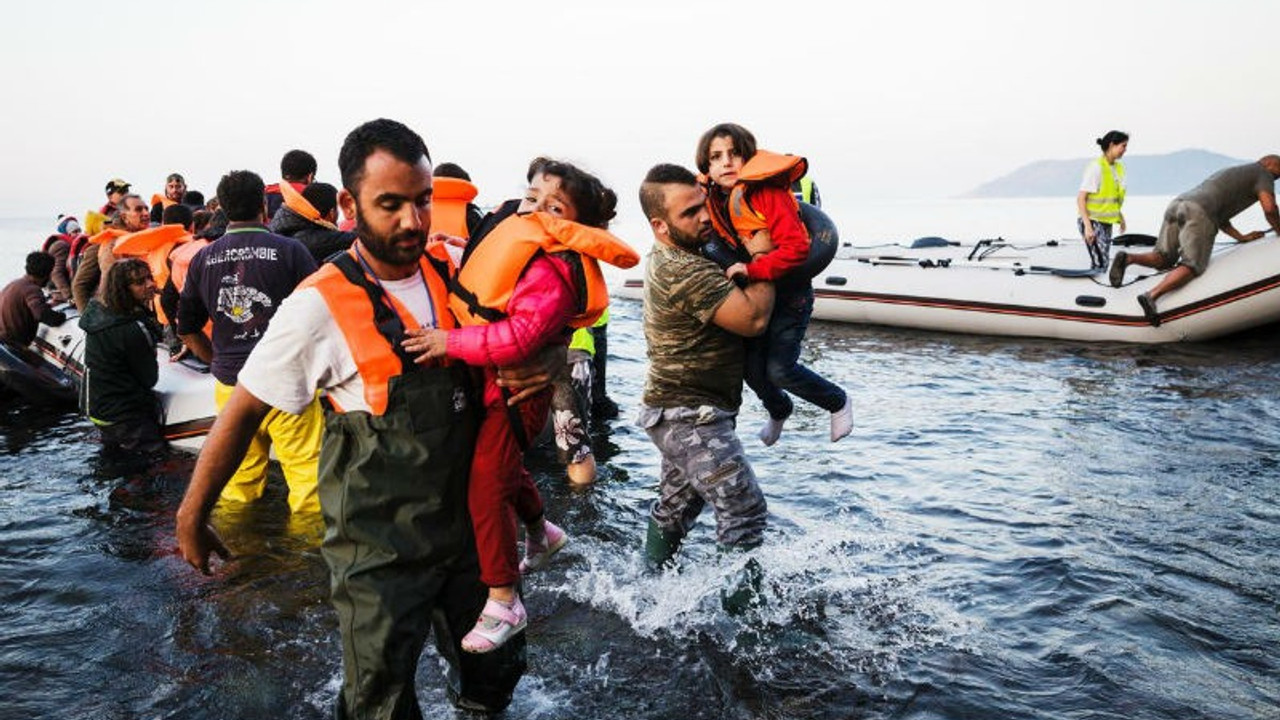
[{"x": 1100, "y": 197}]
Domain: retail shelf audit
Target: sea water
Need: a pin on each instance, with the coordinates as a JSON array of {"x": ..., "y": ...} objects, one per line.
[{"x": 1015, "y": 529}]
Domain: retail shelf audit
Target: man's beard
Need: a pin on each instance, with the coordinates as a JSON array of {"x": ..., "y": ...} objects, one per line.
[
  {"x": 387, "y": 249},
  {"x": 686, "y": 240}
]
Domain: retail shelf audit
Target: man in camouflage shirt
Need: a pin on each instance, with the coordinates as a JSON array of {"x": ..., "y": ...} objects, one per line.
[{"x": 694, "y": 323}]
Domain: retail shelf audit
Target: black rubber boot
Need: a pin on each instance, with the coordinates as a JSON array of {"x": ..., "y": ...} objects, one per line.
[
  {"x": 660, "y": 547},
  {"x": 745, "y": 590},
  {"x": 602, "y": 407}
]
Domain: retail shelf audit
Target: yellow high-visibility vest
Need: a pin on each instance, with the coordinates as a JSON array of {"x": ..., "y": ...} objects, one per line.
[{"x": 1104, "y": 205}]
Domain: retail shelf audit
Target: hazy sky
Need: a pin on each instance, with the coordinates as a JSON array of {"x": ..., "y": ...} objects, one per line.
[{"x": 899, "y": 99}]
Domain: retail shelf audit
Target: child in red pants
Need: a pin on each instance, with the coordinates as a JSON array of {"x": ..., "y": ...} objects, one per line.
[{"x": 513, "y": 300}]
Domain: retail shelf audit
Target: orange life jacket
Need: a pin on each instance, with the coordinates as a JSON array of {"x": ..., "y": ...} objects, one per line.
[
  {"x": 734, "y": 218},
  {"x": 449, "y": 200},
  {"x": 480, "y": 291},
  {"x": 373, "y": 321},
  {"x": 107, "y": 235},
  {"x": 162, "y": 199},
  {"x": 155, "y": 246},
  {"x": 180, "y": 261}
]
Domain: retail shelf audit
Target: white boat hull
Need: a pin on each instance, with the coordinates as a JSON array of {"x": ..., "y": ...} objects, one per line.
[
  {"x": 185, "y": 389},
  {"x": 1015, "y": 292}
]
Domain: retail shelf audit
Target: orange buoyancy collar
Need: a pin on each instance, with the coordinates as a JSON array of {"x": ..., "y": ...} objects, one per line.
[
  {"x": 299, "y": 204},
  {"x": 482, "y": 288},
  {"x": 449, "y": 199},
  {"x": 739, "y": 221},
  {"x": 373, "y": 321}
]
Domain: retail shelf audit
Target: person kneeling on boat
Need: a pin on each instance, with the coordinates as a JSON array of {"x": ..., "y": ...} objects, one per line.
[
  {"x": 23, "y": 305},
  {"x": 1192, "y": 221},
  {"x": 120, "y": 366}
]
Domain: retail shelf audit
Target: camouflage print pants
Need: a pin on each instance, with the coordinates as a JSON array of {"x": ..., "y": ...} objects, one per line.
[{"x": 703, "y": 463}]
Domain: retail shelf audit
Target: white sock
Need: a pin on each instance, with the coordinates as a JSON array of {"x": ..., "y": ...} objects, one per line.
[
  {"x": 771, "y": 431},
  {"x": 842, "y": 420}
]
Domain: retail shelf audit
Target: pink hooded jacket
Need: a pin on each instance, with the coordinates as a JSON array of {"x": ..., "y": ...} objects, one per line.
[{"x": 538, "y": 313}]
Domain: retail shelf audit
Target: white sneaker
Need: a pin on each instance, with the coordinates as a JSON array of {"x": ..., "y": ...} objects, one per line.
[
  {"x": 842, "y": 420},
  {"x": 771, "y": 431}
]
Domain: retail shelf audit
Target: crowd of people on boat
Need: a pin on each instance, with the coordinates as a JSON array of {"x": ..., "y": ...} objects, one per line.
[{"x": 399, "y": 350}]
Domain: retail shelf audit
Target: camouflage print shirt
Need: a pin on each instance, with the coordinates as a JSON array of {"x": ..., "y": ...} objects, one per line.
[{"x": 692, "y": 361}]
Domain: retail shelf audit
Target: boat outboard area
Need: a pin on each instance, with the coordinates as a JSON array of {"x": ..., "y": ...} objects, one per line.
[
  {"x": 29, "y": 376},
  {"x": 184, "y": 387},
  {"x": 1041, "y": 289}
]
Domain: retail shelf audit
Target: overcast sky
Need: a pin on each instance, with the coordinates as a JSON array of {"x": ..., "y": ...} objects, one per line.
[{"x": 893, "y": 100}]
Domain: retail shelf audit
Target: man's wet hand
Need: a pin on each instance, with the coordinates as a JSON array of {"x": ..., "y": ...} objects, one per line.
[{"x": 197, "y": 540}]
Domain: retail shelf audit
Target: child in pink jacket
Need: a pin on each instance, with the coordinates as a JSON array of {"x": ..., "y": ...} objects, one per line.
[{"x": 544, "y": 300}]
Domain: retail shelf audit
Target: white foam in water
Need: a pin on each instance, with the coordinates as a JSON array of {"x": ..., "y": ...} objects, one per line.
[
  {"x": 842, "y": 593},
  {"x": 324, "y": 697}
]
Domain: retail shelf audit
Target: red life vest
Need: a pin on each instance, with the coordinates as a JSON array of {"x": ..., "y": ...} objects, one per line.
[{"x": 349, "y": 293}]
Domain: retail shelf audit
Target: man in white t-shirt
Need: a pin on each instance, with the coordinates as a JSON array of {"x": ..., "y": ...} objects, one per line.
[{"x": 396, "y": 450}]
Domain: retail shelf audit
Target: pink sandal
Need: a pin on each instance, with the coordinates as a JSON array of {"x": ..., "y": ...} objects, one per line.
[
  {"x": 496, "y": 625},
  {"x": 539, "y": 549}
]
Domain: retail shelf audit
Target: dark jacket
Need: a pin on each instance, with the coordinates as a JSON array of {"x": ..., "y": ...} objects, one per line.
[
  {"x": 321, "y": 242},
  {"x": 120, "y": 364}
]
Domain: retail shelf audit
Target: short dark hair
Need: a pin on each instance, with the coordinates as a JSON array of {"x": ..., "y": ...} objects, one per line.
[
  {"x": 193, "y": 198},
  {"x": 322, "y": 196},
  {"x": 653, "y": 202},
  {"x": 595, "y": 203},
  {"x": 743, "y": 141},
  {"x": 176, "y": 176},
  {"x": 177, "y": 215},
  {"x": 381, "y": 134},
  {"x": 241, "y": 194},
  {"x": 451, "y": 170},
  {"x": 115, "y": 291},
  {"x": 200, "y": 220},
  {"x": 40, "y": 264},
  {"x": 296, "y": 165}
]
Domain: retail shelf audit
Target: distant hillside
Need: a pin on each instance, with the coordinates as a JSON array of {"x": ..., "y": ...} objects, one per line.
[{"x": 1146, "y": 174}]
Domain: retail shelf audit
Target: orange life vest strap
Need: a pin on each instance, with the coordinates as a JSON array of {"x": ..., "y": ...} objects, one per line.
[
  {"x": 373, "y": 321},
  {"x": 299, "y": 204}
]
